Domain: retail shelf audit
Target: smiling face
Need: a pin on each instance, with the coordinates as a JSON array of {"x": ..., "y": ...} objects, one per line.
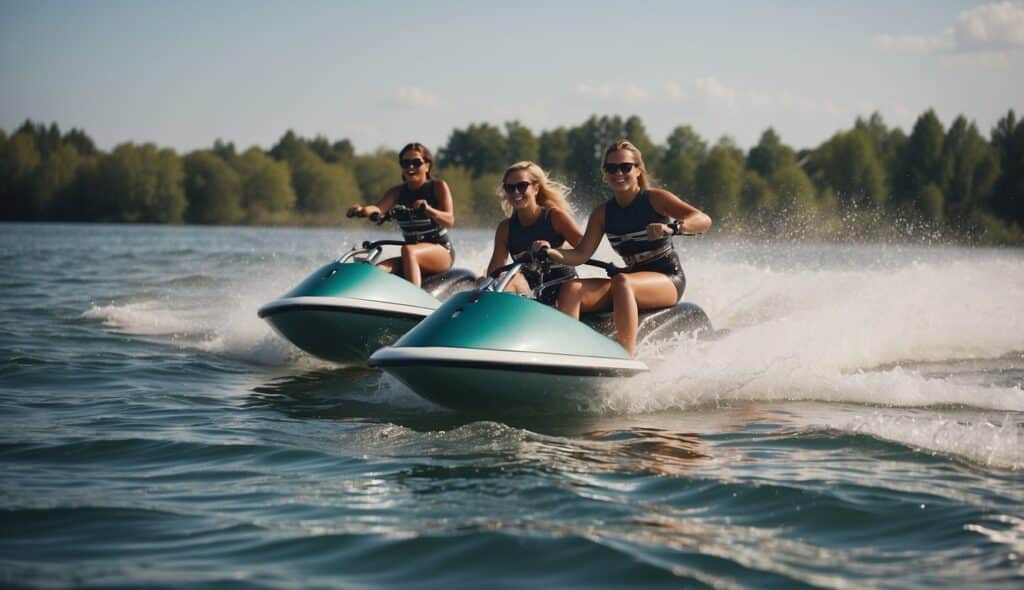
[
  {"x": 621, "y": 170},
  {"x": 415, "y": 166},
  {"x": 520, "y": 189}
]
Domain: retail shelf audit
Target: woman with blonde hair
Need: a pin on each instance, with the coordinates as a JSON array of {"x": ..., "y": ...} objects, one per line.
[
  {"x": 538, "y": 217},
  {"x": 427, "y": 249},
  {"x": 638, "y": 221}
]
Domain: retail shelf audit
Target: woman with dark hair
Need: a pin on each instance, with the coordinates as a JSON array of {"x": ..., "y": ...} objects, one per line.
[
  {"x": 538, "y": 216},
  {"x": 638, "y": 221},
  {"x": 427, "y": 248}
]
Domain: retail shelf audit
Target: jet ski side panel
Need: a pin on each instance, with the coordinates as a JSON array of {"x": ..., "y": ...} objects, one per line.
[
  {"x": 345, "y": 310},
  {"x": 359, "y": 280},
  {"x": 505, "y": 321}
]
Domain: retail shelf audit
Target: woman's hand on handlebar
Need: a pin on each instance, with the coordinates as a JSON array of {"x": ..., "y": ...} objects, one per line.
[
  {"x": 355, "y": 211},
  {"x": 370, "y": 211},
  {"x": 657, "y": 231}
]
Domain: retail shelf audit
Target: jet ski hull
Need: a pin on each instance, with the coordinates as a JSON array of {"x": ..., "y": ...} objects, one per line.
[
  {"x": 503, "y": 381},
  {"x": 346, "y": 310},
  {"x": 337, "y": 329},
  {"x": 500, "y": 351}
]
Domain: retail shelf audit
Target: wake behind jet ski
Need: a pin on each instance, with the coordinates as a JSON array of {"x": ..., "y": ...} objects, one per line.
[
  {"x": 488, "y": 350},
  {"x": 348, "y": 308}
]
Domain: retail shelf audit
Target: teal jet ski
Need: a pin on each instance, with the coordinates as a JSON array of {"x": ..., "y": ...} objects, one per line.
[
  {"x": 488, "y": 350},
  {"x": 349, "y": 308}
]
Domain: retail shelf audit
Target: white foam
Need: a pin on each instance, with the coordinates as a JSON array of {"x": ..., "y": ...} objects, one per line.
[
  {"x": 843, "y": 335},
  {"x": 996, "y": 443},
  {"x": 806, "y": 323}
]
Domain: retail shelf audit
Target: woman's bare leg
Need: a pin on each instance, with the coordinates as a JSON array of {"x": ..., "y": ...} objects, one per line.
[
  {"x": 633, "y": 292},
  {"x": 582, "y": 295},
  {"x": 518, "y": 285},
  {"x": 424, "y": 258}
]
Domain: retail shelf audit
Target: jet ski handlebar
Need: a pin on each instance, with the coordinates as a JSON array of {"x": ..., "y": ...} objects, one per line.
[{"x": 394, "y": 212}]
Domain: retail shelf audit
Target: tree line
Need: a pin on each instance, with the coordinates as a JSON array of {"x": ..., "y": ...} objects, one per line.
[{"x": 867, "y": 181}]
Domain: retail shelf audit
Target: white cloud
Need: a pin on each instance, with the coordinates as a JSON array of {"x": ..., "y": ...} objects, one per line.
[
  {"x": 628, "y": 93},
  {"x": 917, "y": 43},
  {"x": 715, "y": 91},
  {"x": 675, "y": 91},
  {"x": 413, "y": 96},
  {"x": 990, "y": 28}
]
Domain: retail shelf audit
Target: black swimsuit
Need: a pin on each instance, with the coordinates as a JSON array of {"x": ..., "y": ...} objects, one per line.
[
  {"x": 626, "y": 228},
  {"x": 417, "y": 226},
  {"x": 520, "y": 241}
]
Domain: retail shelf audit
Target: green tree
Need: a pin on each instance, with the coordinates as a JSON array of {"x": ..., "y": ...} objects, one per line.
[
  {"x": 795, "y": 191},
  {"x": 19, "y": 160},
  {"x": 287, "y": 147},
  {"x": 460, "y": 183},
  {"x": 970, "y": 167},
  {"x": 52, "y": 181},
  {"x": 267, "y": 193},
  {"x": 770, "y": 155},
  {"x": 376, "y": 173},
  {"x": 144, "y": 184},
  {"x": 224, "y": 150},
  {"x": 931, "y": 203},
  {"x": 1008, "y": 140},
  {"x": 479, "y": 148},
  {"x": 684, "y": 151},
  {"x": 757, "y": 200},
  {"x": 521, "y": 143},
  {"x": 720, "y": 180},
  {"x": 919, "y": 165},
  {"x": 213, "y": 189},
  {"x": 889, "y": 145},
  {"x": 554, "y": 151},
  {"x": 486, "y": 204},
  {"x": 849, "y": 165},
  {"x": 82, "y": 143}
]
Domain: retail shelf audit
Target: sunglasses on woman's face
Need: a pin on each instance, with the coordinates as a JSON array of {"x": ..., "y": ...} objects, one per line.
[
  {"x": 516, "y": 187},
  {"x": 623, "y": 167},
  {"x": 414, "y": 163}
]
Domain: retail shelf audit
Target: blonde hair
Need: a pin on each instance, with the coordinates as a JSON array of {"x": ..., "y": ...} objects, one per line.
[
  {"x": 550, "y": 193},
  {"x": 625, "y": 144}
]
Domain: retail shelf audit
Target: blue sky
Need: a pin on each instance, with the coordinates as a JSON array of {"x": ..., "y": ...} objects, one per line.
[{"x": 182, "y": 73}]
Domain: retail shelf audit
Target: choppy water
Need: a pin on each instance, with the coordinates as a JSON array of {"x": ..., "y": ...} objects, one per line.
[{"x": 861, "y": 426}]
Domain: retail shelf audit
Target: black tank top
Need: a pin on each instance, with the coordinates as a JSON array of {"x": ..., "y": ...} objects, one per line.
[
  {"x": 521, "y": 237},
  {"x": 520, "y": 241},
  {"x": 626, "y": 228},
  {"x": 420, "y": 227}
]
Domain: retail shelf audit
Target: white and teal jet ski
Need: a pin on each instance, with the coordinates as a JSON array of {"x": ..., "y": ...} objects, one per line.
[
  {"x": 488, "y": 350},
  {"x": 349, "y": 308}
]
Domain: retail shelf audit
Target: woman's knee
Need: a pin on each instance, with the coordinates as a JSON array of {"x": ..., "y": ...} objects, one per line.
[
  {"x": 571, "y": 290},
  {"x": 620, "y": 284}
]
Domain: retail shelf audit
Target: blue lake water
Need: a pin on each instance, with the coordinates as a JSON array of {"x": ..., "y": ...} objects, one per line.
[{"x": 860, "y": 426}]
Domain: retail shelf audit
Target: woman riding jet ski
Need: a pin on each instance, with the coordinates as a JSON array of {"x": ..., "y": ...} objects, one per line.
[
  {"x": 353, "y": 306},
  {"x": 638, "y": 221},
  {"x": 492, "y": 350}
]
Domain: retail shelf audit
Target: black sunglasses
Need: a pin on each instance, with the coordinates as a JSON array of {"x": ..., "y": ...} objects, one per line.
[
  {"x": 414, "y": 163},
  {"x": 623, "y": 167},
  {"x": 516, "y": 187}
]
